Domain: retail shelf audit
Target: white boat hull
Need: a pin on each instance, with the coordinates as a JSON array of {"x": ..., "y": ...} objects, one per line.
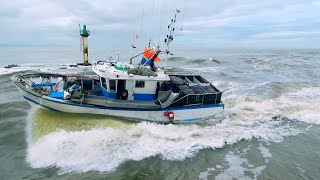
[{"x": 190, "y": 114}]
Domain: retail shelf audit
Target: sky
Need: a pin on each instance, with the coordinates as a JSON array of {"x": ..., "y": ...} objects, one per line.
[{"x": 200, "y": 23}]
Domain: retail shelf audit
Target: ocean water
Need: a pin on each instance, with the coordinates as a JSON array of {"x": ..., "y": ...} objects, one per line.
[{"x": 270, "y": 128}]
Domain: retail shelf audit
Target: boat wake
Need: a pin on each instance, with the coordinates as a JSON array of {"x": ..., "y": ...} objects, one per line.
[{"x": 104, "y": 144}]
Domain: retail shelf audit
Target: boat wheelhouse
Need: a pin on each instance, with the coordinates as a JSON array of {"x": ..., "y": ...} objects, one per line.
[{"x": 127, "y": 82}]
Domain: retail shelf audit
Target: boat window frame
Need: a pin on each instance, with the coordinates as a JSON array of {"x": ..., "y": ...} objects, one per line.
[
  {"x": 115, "y": 85},
  {"x": 105, "y": 83},
  {"x": 137, "y": 85}
]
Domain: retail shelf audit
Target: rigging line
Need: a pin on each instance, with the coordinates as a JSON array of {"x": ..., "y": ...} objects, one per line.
[
  {"x": 137, "y": 36},
  {"x": 160, "y": 30},
  {"x": 132, "y": 45},
  {"x": 142, "y": 23},
  {"x": 184, "y": 9},
  {"x": 80, "y": 37},
  {"x": 153, "y": 20}
]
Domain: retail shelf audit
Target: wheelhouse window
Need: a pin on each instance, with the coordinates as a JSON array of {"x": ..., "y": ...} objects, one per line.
[
  {"x": 139, "y": 84},
  {"x": 103, "y": 82},
  {"x": 112, "y": 84}
]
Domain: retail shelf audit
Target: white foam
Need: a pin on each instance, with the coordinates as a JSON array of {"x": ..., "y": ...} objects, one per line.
[
  {"x": 236, "y": 169},
  {"x": 104, "y": 149},
  {"x": 17, "y": 69},
  {"x": 265, "y": 152},
  {"x": 40, "y": 68},
  {"x": 302, "y": 105},
  {"x": 204, "y": 175},
  {"x": 207, "y": 69},
  {"x": 237, "y": 165}
]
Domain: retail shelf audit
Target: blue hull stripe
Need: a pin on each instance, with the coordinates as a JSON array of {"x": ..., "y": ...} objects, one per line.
[
  {"x": 39, "y": 104},
  {"x": 108, "y": 94},
  {"x": 137, "y": 109},
  {"x": 192, "y": 120},
  {"x": 144, "y": 97}
]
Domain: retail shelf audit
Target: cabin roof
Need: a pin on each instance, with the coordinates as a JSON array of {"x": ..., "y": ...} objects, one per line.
[{"x": 112, "y": 71}]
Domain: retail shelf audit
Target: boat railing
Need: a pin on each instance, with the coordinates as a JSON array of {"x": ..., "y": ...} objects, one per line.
[
  {"x": 22, "y": 81},
  {"x": 199, "y": 99},
  {"x": 159, "y": 102},
  {"x": 103, "y": 61},
  {"x": 183, "y": 73}
]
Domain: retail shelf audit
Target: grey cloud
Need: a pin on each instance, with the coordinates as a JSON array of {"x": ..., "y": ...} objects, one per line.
[{"x": 204, "y": 20}]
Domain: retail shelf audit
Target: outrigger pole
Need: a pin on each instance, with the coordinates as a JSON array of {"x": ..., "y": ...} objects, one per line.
[
  {"x": 169, "y": 37},
  {"x": 167, "y": 41}
]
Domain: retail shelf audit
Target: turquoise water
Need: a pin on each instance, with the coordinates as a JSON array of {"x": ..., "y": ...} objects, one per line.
[{"x": 269, "y": 130}]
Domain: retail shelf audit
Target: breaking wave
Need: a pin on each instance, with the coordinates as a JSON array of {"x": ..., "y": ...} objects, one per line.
[
  {"x": 40, "y": 68},
  {"x": 109, "y": 142}
]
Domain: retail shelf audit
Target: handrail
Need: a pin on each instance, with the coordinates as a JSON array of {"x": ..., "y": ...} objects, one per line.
[
  {"x": 203, "y": 95},
  {"x": 179, "y": 99},
  {"x": 183, "y": 73}
]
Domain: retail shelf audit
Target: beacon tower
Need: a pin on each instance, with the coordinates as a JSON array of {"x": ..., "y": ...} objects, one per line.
[{"x": 84, "y": 33}]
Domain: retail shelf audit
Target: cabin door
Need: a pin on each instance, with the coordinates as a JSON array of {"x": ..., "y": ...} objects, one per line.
[
  {"x": 121, "y": 90},
  {"x": 130, "y": 85}
]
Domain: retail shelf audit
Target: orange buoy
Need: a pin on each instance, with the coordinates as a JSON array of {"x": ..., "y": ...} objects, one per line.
[{"x": 149, "y": 53}]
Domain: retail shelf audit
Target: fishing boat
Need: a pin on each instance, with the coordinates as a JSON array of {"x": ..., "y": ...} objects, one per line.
[{"x": 142, "y": 91}]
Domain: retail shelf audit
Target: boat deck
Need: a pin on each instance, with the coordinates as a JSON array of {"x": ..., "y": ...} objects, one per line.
[{"x": 110, "y": 102}]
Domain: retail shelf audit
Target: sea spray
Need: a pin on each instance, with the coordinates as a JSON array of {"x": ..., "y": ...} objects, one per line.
[{"x": 105, "y": 148}]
